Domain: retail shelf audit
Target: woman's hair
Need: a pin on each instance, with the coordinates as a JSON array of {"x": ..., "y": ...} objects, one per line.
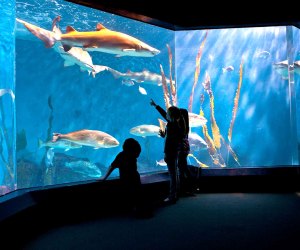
[
  {"x": 132, "y": 146},
  {"x": 174, "y": 112},
  {"x": 185, "y": 121}
]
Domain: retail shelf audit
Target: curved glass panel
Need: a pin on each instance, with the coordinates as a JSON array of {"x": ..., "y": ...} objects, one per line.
[
  {"x": 84, "y": 80},
  {"x": 105, "y": 88},
  {"x": 7, "y": 97},
  {"x": 239, "y": 80}
]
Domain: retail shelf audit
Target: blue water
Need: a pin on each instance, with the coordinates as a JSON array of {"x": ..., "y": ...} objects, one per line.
[
  {"x": 7, "y": 100},
  {"x": 53, "y": 98},
  {"x": 262, "y": 130}
]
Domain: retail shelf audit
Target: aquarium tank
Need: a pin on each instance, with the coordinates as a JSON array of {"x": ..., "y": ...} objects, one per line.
[{"x": 78, "y": 82}]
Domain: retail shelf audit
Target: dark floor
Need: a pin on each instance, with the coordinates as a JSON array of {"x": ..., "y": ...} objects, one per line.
[{"x": 208, "y": 220}]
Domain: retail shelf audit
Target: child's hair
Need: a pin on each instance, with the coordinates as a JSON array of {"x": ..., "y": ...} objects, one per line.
[{"x": 132, "y": 146}]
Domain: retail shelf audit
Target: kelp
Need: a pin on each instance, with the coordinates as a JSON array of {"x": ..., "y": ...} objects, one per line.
[
  {"x": 197, "y": 72},
  {"x": 165, "y": 88},
  {"x": 214, "y": 127},
  {"x": 236, "y": 102},
  {"x": 202, "y": 165},
  {"x": 173, "y": 86}
]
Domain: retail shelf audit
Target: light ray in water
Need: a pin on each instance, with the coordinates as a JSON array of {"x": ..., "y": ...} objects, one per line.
[
  {"x": 172, "y": 84},
  {"x": 197, "y": 72}
]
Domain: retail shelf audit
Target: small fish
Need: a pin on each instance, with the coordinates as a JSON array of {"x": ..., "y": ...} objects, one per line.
[
  {"x": 262, "y": 54},
  {"x": 161, "y": 163},
  {"x": 227, "y": 69},
  {"x": 92, "y": 138},
  {"x": 142, "y": 91},
  {"x": 60, "y": 144},
  {"x": 145, "y": 130},
  {"x": 128, "y": 83},
  {"x": 196, "y": 120}
]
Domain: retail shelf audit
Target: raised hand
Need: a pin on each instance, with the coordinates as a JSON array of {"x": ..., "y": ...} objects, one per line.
[{"x": 152, "y": 103}]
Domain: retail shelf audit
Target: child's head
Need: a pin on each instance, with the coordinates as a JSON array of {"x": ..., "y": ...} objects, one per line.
[
  {"x": 132, "y": 146},
  {"x": 173, "y": 113}
]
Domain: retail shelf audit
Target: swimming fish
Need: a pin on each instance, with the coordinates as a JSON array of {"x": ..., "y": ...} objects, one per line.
[
  {"x": 196, "y": 142},
  {"x": 142, "y": 90},
  {"x": 196, "y": 120},
  {"x": 93, "y": 138},
  {"x": 101, "y": 40},
  {"x": 161, "y": 162},
  {"x": 262, "y": 54},
  {"x": 85, "y": 168},
  {"x": 145, "y": 130},
  {"x": 75, "y": 55},
  {"x": 146, "y": 77},
  {"x": 60, "y": 144},
  {"x": 227, "y": 69}
]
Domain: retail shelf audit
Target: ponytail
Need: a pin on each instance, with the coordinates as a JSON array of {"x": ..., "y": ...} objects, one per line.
[{"x": 185, "y": 121}]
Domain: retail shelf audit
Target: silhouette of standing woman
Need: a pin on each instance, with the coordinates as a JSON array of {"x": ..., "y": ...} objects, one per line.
[
  {"x": 187, "y": 181},
  {"x": 172, "y": 135}
]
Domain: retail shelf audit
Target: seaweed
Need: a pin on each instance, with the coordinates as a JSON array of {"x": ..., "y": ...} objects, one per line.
[{"x": 217, "y": 140}]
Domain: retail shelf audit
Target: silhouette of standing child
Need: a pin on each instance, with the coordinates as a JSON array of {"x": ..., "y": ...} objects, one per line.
[{"x": 126, "y": 162}]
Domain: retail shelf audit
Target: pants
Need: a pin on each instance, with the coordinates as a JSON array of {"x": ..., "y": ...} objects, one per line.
[
  {"x": 185, "y": 175},
  {"x": 171, "y": 160}
]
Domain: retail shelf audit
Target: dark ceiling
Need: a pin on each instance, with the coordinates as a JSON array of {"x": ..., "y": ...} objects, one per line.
[{"x": 193, "y": 14}]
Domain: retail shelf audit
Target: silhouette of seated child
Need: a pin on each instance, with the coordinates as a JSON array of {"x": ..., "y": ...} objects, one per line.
[{"x": 126, "y": 162}]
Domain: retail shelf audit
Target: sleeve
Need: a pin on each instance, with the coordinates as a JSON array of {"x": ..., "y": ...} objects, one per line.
[
  {"x": 116, "y": 162},
  {"x": 162, "y": 112}
]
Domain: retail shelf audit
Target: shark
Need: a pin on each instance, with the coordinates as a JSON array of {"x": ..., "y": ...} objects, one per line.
[
  {"x": 145, "y": 77},
  {"x": 100, "y": 40},
  {"x": 75, "y": 55}
]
